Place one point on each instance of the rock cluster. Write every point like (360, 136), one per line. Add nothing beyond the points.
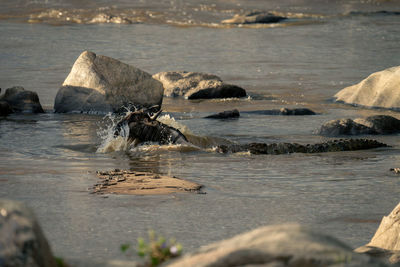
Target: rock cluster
(196, 85)
(379, 124)
(102, 84)
(19, 100)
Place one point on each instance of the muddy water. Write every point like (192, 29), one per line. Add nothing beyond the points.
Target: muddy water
(49, 160)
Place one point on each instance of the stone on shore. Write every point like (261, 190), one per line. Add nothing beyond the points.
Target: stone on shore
(100, 84)
(228, 114)
(22, 242)
(380, 89)
(21, 101)
(386, 241)
(379, 124)
(276, 245)
(141, 183)
(196, 85)
(254, 17)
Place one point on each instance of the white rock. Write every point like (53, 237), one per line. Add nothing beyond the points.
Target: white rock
(380, 89)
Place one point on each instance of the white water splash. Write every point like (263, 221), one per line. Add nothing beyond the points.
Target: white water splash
(110, 143)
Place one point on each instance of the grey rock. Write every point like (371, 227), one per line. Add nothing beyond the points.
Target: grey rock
(102, 84)
(225, 115)
(22, 101)
(283, 111)
(344, 127)
(276, 245)
(196, 85)
(379, 124)
(254, 17)
(22, 242)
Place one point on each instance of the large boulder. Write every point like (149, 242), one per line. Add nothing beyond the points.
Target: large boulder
(21, 101)
(380, 89)
(22, 242)
(379, 124)
(196, 85)
(277, 245)
(386, 241)
(254, 17)
(102, 84)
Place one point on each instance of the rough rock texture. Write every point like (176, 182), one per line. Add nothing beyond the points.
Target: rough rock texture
(102, 84)
(276, 245)
(286, 148)
(380, 89)
(22, 242)
(254, 17)
(386, 241)
(379, 124)
(196, 85)
(21, 100)
(141, 183)
(283, 111)
(225, 115)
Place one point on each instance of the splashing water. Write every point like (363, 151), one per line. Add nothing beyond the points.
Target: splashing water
(110, 143)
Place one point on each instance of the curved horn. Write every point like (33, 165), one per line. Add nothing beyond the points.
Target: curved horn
(155, 115)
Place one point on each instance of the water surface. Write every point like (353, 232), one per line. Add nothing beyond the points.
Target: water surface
(49, 160)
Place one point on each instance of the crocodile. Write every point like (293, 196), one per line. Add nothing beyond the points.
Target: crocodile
(144, 127)
(287, 148)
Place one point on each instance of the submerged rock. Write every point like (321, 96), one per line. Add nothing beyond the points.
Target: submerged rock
(386, 241)
(21, 101)
(196, 85)
(22, 242)
(102, 84)
(287, 148)
(106, 18)
(254, 17)
(225, 115)
(141, 183)
(380, 89)
(379, 124)
(283, 111)
(277, 245)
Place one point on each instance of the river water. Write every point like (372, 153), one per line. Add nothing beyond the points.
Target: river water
(49, 160)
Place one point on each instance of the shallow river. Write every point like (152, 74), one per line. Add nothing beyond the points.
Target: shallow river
(49, 161)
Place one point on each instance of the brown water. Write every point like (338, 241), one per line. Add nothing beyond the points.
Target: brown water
(49, 160)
